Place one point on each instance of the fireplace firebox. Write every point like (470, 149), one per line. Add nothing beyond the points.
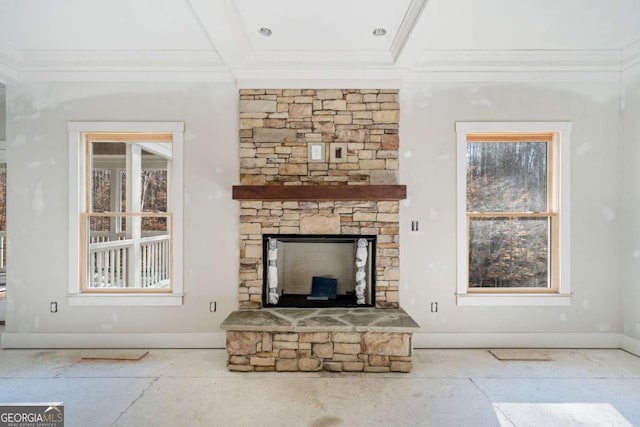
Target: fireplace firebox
(318, 270)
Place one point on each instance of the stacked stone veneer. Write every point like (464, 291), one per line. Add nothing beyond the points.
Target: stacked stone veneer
(276, 128)
(315, 351)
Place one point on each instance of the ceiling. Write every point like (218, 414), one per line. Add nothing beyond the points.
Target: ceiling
(330, 39)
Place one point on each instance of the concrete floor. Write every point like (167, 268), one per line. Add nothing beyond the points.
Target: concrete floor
(445, 388)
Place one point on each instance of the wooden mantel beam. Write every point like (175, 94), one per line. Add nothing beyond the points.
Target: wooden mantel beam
(320, 192)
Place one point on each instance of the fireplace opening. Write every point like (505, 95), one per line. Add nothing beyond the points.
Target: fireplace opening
(318, 270)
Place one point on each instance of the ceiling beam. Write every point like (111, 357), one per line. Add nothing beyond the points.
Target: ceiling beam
(407, 44)
(221, 22)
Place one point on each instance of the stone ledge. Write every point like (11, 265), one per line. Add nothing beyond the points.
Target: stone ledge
(320, 320)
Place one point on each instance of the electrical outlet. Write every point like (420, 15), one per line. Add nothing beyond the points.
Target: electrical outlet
(338, 152)
(53, 307)
(213, 306)
(434, 307)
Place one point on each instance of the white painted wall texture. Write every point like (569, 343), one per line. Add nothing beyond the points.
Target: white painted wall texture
(630, 207)
(38, 209)
(428, 152)
(37, 151)
(3, 113)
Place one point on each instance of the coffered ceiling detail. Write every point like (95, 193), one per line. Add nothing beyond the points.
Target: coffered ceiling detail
(165, 40)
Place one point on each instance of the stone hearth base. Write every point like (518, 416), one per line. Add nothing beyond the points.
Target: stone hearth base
(336, 340)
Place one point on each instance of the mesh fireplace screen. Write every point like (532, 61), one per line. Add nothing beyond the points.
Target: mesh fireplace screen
(319, 271)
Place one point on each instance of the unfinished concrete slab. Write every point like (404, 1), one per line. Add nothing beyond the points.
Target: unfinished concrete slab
(519, 354)
(445, 388)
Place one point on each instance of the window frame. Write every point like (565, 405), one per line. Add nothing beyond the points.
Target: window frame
(79, 197)
(558, 209)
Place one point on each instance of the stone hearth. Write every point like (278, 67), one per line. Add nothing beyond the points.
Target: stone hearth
(337, 340)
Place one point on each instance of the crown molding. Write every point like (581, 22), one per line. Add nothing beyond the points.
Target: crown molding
(123, 58)
(338, 58)
(319, 69)
(126, 75)
(511, 76)
(517, 66)
(519, 60)
(89, 65)
(326, 77)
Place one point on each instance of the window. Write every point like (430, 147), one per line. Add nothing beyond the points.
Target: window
(126, 197)
(513, 213)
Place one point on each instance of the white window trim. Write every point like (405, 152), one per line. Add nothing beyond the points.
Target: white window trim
(3, 151)
(563, 296)
(76, 207)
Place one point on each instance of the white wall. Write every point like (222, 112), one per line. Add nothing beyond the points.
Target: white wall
(427, 166)
(37, 151)
(3, 113)
(37, 142)
(630, 207)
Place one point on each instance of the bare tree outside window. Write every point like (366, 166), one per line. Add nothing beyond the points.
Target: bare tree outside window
(509, 225)
(154, 198)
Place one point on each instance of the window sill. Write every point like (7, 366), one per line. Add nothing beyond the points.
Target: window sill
(125, 300)
(513, 299)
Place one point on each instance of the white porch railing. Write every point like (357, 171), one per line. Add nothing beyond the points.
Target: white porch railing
(105, 236)
(109, 262)
(154, 253)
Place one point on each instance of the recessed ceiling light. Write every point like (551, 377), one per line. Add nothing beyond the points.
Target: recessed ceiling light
(378, 32)
(265, 31)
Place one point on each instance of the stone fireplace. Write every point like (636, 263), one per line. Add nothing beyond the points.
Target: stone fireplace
(277, 129)
(319, 167)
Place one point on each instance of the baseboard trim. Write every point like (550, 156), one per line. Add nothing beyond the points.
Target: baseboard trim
(113, 340)
(630, 344)
(517, 340)
(420, 340)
